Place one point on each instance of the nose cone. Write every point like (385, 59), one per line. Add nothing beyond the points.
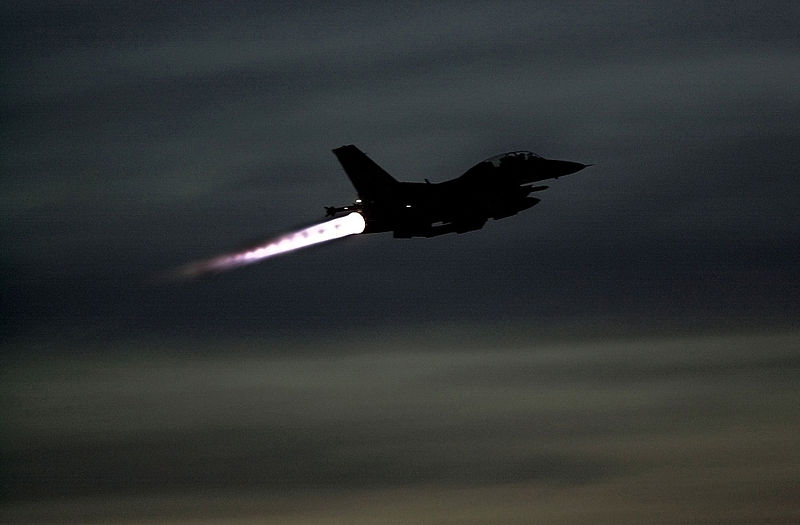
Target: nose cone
(565, 167)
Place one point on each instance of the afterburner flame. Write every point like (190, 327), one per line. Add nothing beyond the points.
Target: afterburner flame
(325, 231)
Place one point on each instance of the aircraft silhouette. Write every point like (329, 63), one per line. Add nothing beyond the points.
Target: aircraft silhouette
(496, 188)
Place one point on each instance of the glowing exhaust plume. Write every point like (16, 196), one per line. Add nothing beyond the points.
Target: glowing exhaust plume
(326, 231)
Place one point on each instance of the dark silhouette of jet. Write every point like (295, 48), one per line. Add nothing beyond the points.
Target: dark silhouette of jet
(495, 188)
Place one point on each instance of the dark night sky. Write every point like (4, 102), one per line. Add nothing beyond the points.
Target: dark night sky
(628, 349)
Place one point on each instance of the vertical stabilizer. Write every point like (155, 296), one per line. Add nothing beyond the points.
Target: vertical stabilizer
(369, 179)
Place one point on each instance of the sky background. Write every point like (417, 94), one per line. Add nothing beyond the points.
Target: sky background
(626, 350)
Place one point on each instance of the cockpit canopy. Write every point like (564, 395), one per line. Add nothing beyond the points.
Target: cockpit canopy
(512, 156)
(512, 166)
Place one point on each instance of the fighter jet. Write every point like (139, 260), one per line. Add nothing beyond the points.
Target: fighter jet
(496, 188)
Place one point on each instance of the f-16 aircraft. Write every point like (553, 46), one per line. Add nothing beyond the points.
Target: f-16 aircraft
(495, 188)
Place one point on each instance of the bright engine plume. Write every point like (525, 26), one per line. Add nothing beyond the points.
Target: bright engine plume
(326, 231)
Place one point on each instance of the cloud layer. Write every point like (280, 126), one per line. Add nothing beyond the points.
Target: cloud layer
(654, 420)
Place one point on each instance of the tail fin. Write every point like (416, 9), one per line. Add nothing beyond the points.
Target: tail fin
(369, 179)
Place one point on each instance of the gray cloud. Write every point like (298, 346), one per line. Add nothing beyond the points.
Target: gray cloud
(156, 422)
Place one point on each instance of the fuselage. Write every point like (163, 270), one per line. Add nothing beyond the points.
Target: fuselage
(495, 188)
